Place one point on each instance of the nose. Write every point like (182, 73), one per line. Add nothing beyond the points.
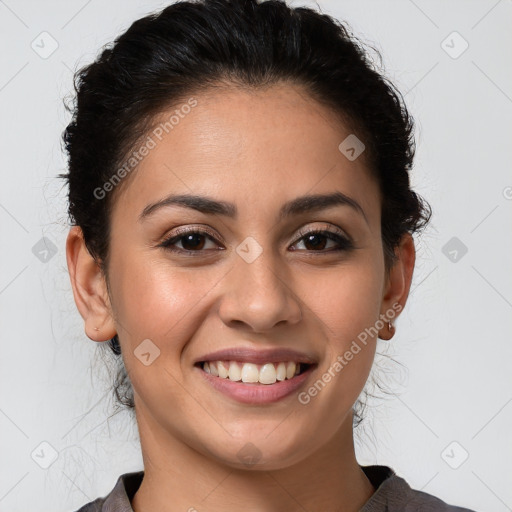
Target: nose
(259, 295)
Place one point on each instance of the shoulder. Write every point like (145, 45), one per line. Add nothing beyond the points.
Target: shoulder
(393, 494)
(420, 500)
(93, 506)
(119, 498)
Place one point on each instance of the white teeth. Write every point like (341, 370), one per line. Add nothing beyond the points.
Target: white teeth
(235, 373)
(290, 370)
(267, 373)
(250, 373)
(281, 371)
(214, 371)
(223, 370)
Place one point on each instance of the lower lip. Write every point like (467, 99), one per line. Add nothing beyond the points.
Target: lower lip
(256, 393)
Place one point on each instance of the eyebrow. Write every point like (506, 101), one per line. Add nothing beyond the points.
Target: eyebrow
(299, 205)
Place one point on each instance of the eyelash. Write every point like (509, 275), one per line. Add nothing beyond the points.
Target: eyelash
(345, 244)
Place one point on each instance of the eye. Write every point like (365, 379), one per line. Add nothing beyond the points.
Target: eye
(191, 240)
(316, 240)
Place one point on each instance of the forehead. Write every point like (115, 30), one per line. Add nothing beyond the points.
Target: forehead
(250, 147)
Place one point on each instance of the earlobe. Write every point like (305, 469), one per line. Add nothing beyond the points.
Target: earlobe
(398, 285)
(89, 288)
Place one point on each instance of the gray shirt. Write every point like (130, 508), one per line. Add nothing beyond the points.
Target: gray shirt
(392, 494)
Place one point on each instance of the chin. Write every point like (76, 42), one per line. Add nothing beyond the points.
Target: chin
(260, 455)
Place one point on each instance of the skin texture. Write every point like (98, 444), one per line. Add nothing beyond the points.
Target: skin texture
(256, 149)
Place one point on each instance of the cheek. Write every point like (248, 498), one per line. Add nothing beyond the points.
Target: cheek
(346, 299)
(346, 305)
(159, 301)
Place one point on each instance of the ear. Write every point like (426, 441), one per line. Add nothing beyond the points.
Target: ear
(398, 283)
(89, 288)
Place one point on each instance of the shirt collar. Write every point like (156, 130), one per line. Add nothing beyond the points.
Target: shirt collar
(381, 477)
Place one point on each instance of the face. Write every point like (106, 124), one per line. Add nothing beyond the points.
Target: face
(187, 283)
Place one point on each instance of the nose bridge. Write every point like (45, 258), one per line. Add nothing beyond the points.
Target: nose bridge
(259, 267)
(258, 293)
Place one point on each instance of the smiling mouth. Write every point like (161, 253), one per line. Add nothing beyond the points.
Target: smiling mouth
(250, 373)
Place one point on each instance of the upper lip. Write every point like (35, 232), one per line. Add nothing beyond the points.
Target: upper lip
(261, 356)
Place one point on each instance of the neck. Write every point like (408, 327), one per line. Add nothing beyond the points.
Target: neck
(179, 478)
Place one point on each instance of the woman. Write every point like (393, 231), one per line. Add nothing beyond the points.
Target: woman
(242, 235)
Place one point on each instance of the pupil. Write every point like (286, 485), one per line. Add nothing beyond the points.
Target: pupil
(192, 237)
(313, 237)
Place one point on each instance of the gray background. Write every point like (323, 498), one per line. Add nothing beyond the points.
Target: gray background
(451, 398)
